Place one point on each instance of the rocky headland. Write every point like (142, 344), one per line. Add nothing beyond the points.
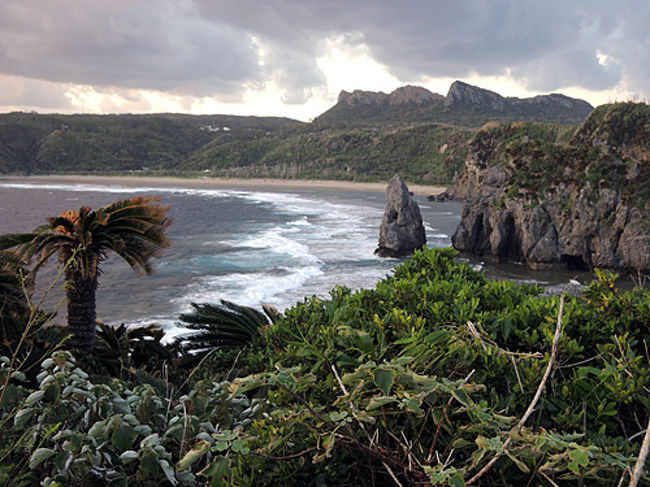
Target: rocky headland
(548, 196)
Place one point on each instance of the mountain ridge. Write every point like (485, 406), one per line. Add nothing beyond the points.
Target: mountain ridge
(370, 136)
(464, 104)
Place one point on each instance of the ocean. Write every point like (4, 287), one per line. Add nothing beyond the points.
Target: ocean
(251, 247)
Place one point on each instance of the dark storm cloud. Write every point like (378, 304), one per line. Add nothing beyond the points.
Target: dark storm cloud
(214, 47)
(544, 45)
(145, 44)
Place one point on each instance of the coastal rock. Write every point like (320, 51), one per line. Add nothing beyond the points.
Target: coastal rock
(401, 230)
(575, 205)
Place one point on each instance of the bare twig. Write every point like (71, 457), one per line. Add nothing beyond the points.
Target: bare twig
(636, 435)
(390, 472)
(531, 406)
(620, 482)
(288, 457)
(549, 479)
(582, 362)
(185, 421)
(514, 364)
(640, 461)
(435, 437)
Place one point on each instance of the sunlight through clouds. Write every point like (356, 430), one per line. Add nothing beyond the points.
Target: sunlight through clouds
(287, 59)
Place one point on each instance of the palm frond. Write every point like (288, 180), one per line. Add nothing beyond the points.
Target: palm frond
(221, 325)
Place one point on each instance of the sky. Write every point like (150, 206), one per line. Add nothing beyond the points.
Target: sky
(292, 57)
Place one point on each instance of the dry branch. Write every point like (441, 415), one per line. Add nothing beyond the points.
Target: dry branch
(533, 403)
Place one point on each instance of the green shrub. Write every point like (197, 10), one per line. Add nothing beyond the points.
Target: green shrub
(425, 377)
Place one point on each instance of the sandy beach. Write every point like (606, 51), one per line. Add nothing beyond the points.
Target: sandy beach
(236, 183)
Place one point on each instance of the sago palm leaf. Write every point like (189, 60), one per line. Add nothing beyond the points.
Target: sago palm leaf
(222, 325)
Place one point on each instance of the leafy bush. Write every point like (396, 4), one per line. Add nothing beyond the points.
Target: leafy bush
(425, 378)
(71, 431)
(438, 376)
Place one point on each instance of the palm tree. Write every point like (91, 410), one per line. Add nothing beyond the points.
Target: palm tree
(132, 228)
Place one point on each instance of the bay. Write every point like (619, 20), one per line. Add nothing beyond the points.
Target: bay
(249, 246)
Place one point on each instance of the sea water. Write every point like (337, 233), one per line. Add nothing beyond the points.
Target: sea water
(247, 246)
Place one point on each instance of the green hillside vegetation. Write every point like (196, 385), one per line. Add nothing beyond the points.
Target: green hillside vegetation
(366, 136)
(423, 153)
(428, 379)
(251, 147)
(610, 150)
(32, 143)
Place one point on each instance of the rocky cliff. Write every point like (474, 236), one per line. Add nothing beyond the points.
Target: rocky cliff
(581, 203)
(464, 105)
(548, 108)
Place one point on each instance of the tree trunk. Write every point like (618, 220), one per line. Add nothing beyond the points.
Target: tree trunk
(82, 313)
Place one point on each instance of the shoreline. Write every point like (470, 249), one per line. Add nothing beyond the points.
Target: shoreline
(231, 183)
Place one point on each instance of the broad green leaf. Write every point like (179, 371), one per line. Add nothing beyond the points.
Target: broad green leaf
(149, 460)
(521, 465)
(192, 456)
(239, 446)
(579, 458)
(457, 481)
(221, 445)
(34, 397)
(338, 415)
(52, 392)
(47, 363)
(39, 456)
(169, 471)
(384, 379)
(379, 401)
(11, 395)
(22, 417)
(413, 405)
(123, 437)
(216, 471)
(128, 456)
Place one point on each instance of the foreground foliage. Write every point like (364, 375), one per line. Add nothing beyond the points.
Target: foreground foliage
(424, 380)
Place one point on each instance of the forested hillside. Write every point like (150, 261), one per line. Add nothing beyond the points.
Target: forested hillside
(366, 136)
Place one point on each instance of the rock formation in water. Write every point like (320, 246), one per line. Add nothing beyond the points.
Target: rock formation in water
(580, 204)
(401, 230)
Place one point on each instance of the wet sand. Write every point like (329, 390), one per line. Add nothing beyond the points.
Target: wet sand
(232, 183)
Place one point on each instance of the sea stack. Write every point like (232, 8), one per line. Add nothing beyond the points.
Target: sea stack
(401, 229)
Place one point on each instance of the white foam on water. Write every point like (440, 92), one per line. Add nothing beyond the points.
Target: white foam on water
(321, 245)
(250, 289)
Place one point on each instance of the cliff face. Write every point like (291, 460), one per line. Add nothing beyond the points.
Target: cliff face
(464, 104)
(580, 204)
(542, 107)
